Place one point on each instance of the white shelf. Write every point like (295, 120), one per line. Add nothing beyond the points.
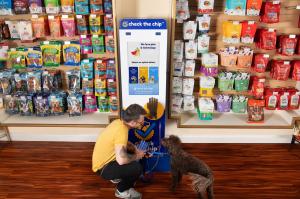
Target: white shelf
(3, 116)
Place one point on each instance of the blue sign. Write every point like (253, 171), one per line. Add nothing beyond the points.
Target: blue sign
(131, 24)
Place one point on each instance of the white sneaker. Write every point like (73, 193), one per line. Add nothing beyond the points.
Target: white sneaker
(128, 194)
(116, 181)
(134, 194)
(124, 194)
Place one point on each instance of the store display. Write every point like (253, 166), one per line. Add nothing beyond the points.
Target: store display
(248, 31)
(260, 62)
(287, 45)
(255, 111)
(253, 7)
(234, 7)
(270, 12)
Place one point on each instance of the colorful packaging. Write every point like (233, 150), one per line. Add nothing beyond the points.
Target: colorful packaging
(108, 24)
(96, 6)
(239, 104)
(229, 56)
(270, 12)
(4, 31)
(86, 44)
(207, 85)
(103, 105)
(188, 103)
(209, 64)
(294, 100)
(178, 68)
(100, 87)
(20, 83)
(25, 103)
(13, 29)
(191, 49)
(68, 24)
(47, 81)
(189, 30)
(287, 45)
(260, 62)
(41, 105)
(189, 69)
(178, 50)
(112, 87)
(113, 103)
(21, 6)
(267, 39)
(225, 81)
(205, 6)
(56, 104)
(244, 57)
(133, 75)
(255, 111)
(203, 43)
(177, 85)
(34, 81)
(109, 44)
(188, 86)
(17, 58)
(231, 32)
(57, 80)
(206, 108)
(82, 24)
(51, 51)
(241, 81)
(71, 53)
(223, 103)
(75, 104)
(248, 31)
(11, 104)
(107, 6)
(39, 26)
(36, 6)
(203, 23)
(86, 68)
(98, 44)
(73, 80)
(82, 7)
(253, 7)
(90, 103)
(34, 58)
(280, 70)
(95, 22)
(235, 7)
(258, 86)
(182, 11)
(3, 51)
(100, 67)
(176, 103)
(55, 26)
(67, 6)
(25, 30)
(296, 70)
(143, 75)
(272, 99)
(111, 69)
(6, 7)
(87, 86)
(284, 101)
(6, 82)
(52, 6)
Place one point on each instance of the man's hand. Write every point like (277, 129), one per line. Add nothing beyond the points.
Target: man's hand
(140, 154)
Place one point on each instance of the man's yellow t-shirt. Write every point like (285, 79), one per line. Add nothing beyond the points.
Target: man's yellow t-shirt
(116, 133)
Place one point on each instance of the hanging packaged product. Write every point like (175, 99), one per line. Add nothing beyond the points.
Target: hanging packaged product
(178, 69)
(25, 103)
(191, 49)
(103, 105)
(223, 103)
(82, 7)
(4, 31)
(296, 70)
(229, 56)
(100, 87)
(272, 99)
(189, 30)
(284, 101)
(17, 58)
(68, 24)
(235, 7)
(267, 39)
(3, 51)
(255, 111)
(231, 32)
(189, 69)
(82, 24)
(188, 86)
(75, 104)
(207, 85)
(205, 6)
(203, 43)
(241, 81)
(73, 80)
(111, 87)
(57, 80)
(71, 53)
(96, 6)
(41, 104)
(111, 69)
(13, 29)
(90, 103)
(239, 104)
(294, 100)
(225, 81)
(280, 70)
(25, 30)
(67, 6)
(86, 68)
(253, 7)
(178, 50)
(100, 67)
(182, 10)
(188, 103)
(56, 104)
(96, 22)
(39, 26)
(260, 62)
(6, 7)
(257, 88)
(6, 81)
(86, 44)
(21, 6)
(176, 103)
(248, 31)
(108, 24)
(98, 44)
(270, 12)
(107, 6)
(11, 104)
(209, 64)
(52, 6)
(51, 51)
(34, 82)
(177, 85)
(245, 57)
(109, 44)
(36, 6)
(55, 26)
(205, 108)
(87, 86)
(287, 45)
(20, 83)
(34, 58)
(47, 81)
(113, 103)
(204, 23)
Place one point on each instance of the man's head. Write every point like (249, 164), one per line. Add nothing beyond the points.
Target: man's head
(133, 116)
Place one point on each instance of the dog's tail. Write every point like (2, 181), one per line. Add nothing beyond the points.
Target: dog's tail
(200, 183)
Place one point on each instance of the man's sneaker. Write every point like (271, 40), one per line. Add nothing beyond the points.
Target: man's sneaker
(124, 194)
(116, 181)
(134, 194)
(128, 194)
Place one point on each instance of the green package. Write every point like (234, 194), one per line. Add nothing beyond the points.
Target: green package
(51, 51)
(98, 44)
(52, 6)
(103, 105)
(17, 57)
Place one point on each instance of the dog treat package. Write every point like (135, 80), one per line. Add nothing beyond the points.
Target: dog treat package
(55, 26)
(47, 81)
(111, 69)
(25, 30)
(41, 104)
(39, 26)
(178, 69)
(98, 44)
(36, 6)
(71, 53)
(178, 50)
(51, 51)
(109, 44)
(205, 108)
(3, 51)
(188, 103)
(73, 80)
(272, 99)
(67, 6)
(90, 103)
(68, 24)
(294, 99)
(20, 83)
(248, 31)
(108, 24)
(280, 70)
(207, 85)
(107, 4)
(223, 103)
(34, 82)
(284, 99)
(296, 70)
(13, 29)
(25, 103)
(82, 7)
(182, 10)
(86, 68)
(34, 58)
(209, 64)
(241, 81)
(21, 6)
(287, 45)
(255, 111)
(229, 56)
(203, 23)
(6, 7)
(96, 22)
(203, 43)
(205, 6)
(225, 81)
(113, 103)
(177, 85)
(100, 67)
(87, 86)
(6, 81)
(56, 104)
(75, 104)
(86, 44)
(4, 31)
(11, 104)
(191, 49)
(17, 58)
(245, 57)
(239, 104)
(111, 87)
(258, 87)
(96, 6)
(231, 31)
(52, 6)
(235, 7)
(188, 86)
(267, 39)
(189, 69)
(260, 62)
(82, 24)
(253, 7)
(176, 103)
(270, 12)
(103, 105)
(57, 81)
(100, 87)
(189, 30)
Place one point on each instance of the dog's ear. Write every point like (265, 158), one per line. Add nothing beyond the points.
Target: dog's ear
(175, 139)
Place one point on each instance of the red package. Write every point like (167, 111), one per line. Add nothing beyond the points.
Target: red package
(296, 70)
(294, 101)
(287, 45)
(284, 101)
(272, 99)
(267, 39)
(258, 86)
(270, 12)
(280, 70)
(260, 62)
(248, 31)
(255, 111)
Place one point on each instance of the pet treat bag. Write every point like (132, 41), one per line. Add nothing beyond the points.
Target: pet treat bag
(284, 101)
(103, 105)
(90, 103)
(100, 67)
(56, 104)
(21, 6)
(223, 103)
(17, 58)
(73, 80)
(241, 81)
(188, 86)
(25, 30)
(296, 70)
(86, 44)
(39, 26)
(86, 68)
(67, 6)
(239, 104)
(203, 43)
(68, 24)
(4, 31)
(36, 6)
(245, 57)
(294, 100)
(52, 6)
(207, 85)
(235, 7)
(267, 39)
(258, 86)
(6, 7)
(96, 6)
(189, 30)
(260, 62)
(176, 103)
(96, 23)
(71, 53)
(51, 53)
(34, 58)
(203, 23)
(191, 49)
(25, 103)
(13, 29)
(189, 69)
(108, 24)
(11, 104)
(205, 105)
(182, 11)
(55, 26)
(47, 81)
(98, 44)
(3, 51)
(111, 87)
(6, 81)
(231, 31)
(34, 83)
(87, 86)
(229, 56)
(178, 50)
(108, 6)
(270, 12)
(113, 103)
(178, 69)
(82, 24)
(255, 111)
(177, 85)
(209, 60)
(225, 81)
(75, 104)
(82, 7)
(280, 70)
(100, 87)
(111, 69)
(109, 44)
(248, 31)
(188, 103)
(287, 45)
(20, 83)
(41, 104)
(205, 6)
(272, 99)
(253, 7)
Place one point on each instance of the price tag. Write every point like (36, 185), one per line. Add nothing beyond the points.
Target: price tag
(35, 16)
(275, 93)
(95, 36)
(67, 42)
(64, 16)
(286, 62)
(93, 16)
(236, 22)
(266, 56)
(251, 22)
(99, 61)
(271, 29)
(83, 36)
(262, 80)
(79, 16)
(50, 17)
(292, 36)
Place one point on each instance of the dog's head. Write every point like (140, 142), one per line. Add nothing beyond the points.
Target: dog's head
(172, 143)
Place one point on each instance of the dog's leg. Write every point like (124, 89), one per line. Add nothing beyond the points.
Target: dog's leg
(210, 192)
(179, 176)
(174, 180)
(201, 195)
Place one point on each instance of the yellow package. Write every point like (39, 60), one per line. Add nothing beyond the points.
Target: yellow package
(51, 53)
(96, 23)
(34, 58)
(143, 75)
(231, 31)
(67, 6)
(71, 54)
(206, 92)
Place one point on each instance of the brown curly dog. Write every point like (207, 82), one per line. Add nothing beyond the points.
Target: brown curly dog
(183, 163)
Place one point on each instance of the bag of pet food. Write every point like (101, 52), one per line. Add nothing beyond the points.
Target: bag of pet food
(260, 62)
(108, 24)
(4, 31)
(96, 23)
(75, 104)
(188, 86)
(98, 44)
(223, 103)
(68, 24)
(255, 111)
(280, 70)
(56, 104)
(189, 69)
(294, 100)
(34, 81)
(100, 87)
(107, 6)
(17, 58)
(100, 67)
(36, 6)
(6, 7)
(258, 86)
(113, 103)
(287, 45)
(96, 6)
(90, 103)
(82, 7)
(209, 64)
(182, 11)
(109, 44)
(248, 31)
(39, 26)
(25, 30)
(3, 51)
(34, 58)
(86, 68)
(235, 7)
(253, 7)
(284, 101)
(188, 103)
(21, 6)
(229, 56)
(71, 53)
(207, 85)
(272, 99)
(225, 81)
(232, 31)
(296, 70)
(41, 104)
(205, 108)
(55, 26)
(176, 103)
(189, 30)
(67, 6)
(87, 86)
(103, 105)
(245, 57)
(20, 83)
(203, 43)
(191, 49)
(25, 103)
(178, 50)
(241, 81)
(51, 51)
(47, 81)
(177, 85)
(203, 23)
(239, 104)
(270, 12)
(178, 69)
(82, 24)
(13, 29)
(52, 6)
(205, 6)
(73, 80)
(86, 44)
(111, 87)
(267, 39)
(11, 104)
(6, 81)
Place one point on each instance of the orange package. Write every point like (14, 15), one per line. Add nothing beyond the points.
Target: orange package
(256, 111)
(253, 7)
(39, 26)
(55, 26)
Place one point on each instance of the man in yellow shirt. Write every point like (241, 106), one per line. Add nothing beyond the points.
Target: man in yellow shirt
(110, 157)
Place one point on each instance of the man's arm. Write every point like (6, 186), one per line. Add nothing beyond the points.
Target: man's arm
(122, 157)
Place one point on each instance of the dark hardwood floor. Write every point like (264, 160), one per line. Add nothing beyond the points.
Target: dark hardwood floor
(42, 170)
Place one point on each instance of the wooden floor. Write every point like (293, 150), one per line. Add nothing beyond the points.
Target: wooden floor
(42, 170)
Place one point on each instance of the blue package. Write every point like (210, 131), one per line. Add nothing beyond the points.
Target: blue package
(153, 75)
(75, 104)
(25, 104)
(82, 7)
(235, 7)
(6, 7)
(133, 75)
(86, 67)
(71, 53)
(111, 69)
(107, 6)
(20, 82)
(41, 104)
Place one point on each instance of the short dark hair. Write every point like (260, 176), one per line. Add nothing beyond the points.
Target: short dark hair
(133, 112)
